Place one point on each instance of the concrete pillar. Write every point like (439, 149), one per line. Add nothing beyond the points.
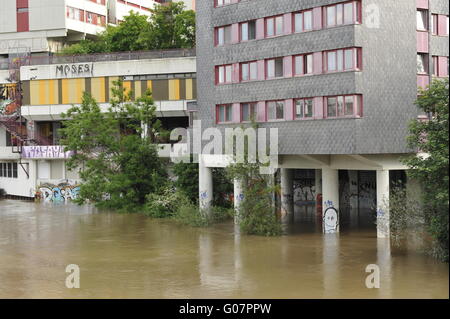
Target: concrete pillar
(330, 265)
(205, 186)
(238, 197)
(384, 262)
(318, 181)
(353, 200)
(330, 191)
(287, 193)
(144, 127)
(383, 230)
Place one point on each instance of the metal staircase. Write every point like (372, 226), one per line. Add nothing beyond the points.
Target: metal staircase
(12, 119)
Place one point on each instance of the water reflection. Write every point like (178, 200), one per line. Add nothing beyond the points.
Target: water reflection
(131, 256)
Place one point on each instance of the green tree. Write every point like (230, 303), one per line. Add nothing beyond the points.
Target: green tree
(124, 36)
(187, 183)
(257, 214)
(170, 27)
(119, 160)
(187, 179)
(431, 170)
(87, 47)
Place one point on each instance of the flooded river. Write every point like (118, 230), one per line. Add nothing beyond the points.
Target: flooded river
(131, 256)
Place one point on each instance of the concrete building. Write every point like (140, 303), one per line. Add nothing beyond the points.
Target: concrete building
(42, 26)
(338, 79)
(31, 159)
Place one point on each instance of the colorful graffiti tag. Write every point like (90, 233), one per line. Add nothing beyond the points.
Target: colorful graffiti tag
(60, 193)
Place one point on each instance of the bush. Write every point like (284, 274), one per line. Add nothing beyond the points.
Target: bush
(193, 216)
(407, 217)
(431, 137)
(256, 210)
(2, 192)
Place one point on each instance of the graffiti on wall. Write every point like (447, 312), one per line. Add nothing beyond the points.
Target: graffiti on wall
(51, 151)
(304, 191)
(330, 218)
(61, 192)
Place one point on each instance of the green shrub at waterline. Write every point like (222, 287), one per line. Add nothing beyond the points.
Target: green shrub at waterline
(170, 203)
(193, 216)
(166, 203)
(257, 211)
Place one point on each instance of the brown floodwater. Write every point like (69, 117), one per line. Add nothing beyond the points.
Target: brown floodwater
(131, 256)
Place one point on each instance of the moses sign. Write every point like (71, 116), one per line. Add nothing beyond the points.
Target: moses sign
(74, 70)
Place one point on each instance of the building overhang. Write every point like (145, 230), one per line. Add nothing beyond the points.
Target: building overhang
(53, 112)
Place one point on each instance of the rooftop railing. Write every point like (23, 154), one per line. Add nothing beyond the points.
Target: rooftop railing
(98, 57)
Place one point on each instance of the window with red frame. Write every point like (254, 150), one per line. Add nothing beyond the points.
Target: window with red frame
(224, 113)
(343, 60)
(342, 14)
(103, 2)
(223, 35)
(275, 110)
(75, 14)
(249, 71)
(303, 64)
(303, 108)
(303, 21)
(434, 24)
(435, 62)
(274, 68)
(343, 106)
(422, 20)
(248, 112)
(248, 31)
(224, 74)
(422, 63)
(274, 26)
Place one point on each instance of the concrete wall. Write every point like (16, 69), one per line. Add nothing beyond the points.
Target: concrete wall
(23, 185)
(115, 68)
(47, 14)
(8, 22)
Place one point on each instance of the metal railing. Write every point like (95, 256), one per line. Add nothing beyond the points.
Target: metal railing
(98, 57)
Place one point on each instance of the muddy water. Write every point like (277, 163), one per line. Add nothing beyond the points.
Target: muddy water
(130, 256)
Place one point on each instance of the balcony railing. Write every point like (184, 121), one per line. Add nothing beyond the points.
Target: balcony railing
(98, 57)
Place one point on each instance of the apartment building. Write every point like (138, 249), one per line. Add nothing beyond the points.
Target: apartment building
(338, 79)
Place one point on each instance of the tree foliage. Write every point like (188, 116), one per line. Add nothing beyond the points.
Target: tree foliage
(187, 183)
(115, 154)
(170, 26)
(431, 170)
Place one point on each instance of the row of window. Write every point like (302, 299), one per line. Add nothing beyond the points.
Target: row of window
(303, 21)
(439, 67)
(342, 106)
(438, 25)
(135, 5)
(102, 2)
(8, 170)
(86, 16)
(338, 60)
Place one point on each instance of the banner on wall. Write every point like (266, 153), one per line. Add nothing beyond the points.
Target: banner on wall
(51, 151)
